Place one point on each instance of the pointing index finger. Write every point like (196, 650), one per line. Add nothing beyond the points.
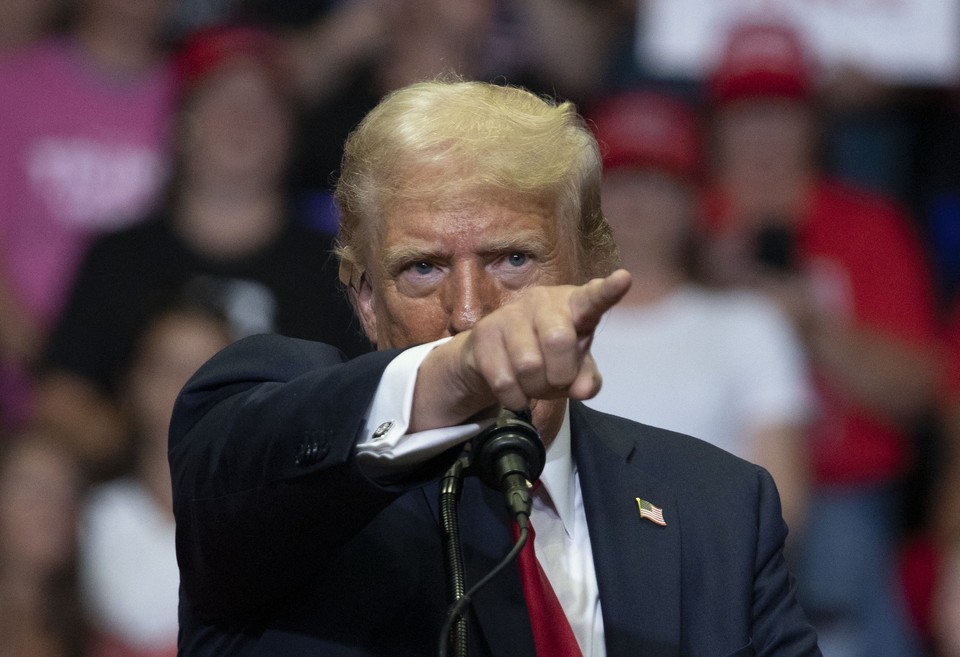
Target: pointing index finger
(597, 297)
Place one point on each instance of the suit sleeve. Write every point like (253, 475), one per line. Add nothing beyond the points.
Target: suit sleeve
(780, 627)
(264, 481)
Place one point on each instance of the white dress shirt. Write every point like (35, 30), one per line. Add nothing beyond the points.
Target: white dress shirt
(563, 542)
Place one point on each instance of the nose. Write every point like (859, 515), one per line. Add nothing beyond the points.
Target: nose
(470, 294)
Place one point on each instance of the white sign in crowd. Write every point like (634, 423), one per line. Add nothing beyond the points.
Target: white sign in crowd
(897, 41)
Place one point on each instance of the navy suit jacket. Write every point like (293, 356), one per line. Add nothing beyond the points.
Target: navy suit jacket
(286, 548)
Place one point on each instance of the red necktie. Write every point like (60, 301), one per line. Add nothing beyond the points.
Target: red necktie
(552, 633)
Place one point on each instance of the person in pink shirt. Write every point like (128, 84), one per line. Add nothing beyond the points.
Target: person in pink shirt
(84, 118)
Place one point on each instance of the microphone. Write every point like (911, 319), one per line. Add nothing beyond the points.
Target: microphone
(508, 456)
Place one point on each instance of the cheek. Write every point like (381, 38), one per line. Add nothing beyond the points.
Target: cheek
(402, 322)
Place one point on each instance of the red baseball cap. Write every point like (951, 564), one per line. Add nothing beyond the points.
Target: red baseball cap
(645, 129)
(215, 48)
(762, 60)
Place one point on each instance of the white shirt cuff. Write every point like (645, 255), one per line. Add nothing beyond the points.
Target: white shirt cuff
(387, 447)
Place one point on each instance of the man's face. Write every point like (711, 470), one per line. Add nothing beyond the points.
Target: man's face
(237, 128)
(762, 137)
(651, 211)
(435, 271)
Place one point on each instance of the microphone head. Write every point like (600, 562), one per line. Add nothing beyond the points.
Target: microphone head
(510, 446)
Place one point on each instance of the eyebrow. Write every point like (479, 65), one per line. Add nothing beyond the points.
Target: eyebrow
(528, 241)
(396, 256)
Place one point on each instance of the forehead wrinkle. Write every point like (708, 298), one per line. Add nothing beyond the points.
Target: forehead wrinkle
(463, 228)
(534, 242)
(525, 241)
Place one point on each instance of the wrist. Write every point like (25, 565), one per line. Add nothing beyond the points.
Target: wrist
(445, 394)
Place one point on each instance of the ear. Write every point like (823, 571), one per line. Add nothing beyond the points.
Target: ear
(363, 300)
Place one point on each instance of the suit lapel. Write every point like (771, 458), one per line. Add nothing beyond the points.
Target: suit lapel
(637, 561)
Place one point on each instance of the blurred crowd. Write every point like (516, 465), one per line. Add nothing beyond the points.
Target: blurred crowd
(165, 179)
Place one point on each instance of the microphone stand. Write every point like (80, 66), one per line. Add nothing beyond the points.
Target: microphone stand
(450, 487)
(507, 457)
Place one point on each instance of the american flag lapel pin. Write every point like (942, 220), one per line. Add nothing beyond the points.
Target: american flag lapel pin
(651, 512)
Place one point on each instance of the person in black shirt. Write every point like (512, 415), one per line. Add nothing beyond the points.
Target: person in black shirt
(228, 232)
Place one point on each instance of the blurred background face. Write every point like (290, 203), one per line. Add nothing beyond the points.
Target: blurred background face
(421, 39)
(947, 608)
(171, 349)
(651, 213)
(23, 20)
(461, 19)
(39, 498)
(761, 139)
(236, 129)
(169, 353)
(142, 17)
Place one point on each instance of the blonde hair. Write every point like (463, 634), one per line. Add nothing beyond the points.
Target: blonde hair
(436, 141)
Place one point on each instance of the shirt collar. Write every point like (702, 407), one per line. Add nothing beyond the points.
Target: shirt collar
(559, 474)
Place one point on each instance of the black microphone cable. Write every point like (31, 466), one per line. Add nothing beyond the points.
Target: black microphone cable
(457, 608)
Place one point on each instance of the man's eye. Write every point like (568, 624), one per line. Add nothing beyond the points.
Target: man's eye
(422, 268)
(518, 259)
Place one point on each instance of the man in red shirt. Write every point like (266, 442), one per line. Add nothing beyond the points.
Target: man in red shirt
(851, 273)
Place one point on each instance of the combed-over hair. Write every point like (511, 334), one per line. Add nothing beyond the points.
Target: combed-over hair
(438, 141)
